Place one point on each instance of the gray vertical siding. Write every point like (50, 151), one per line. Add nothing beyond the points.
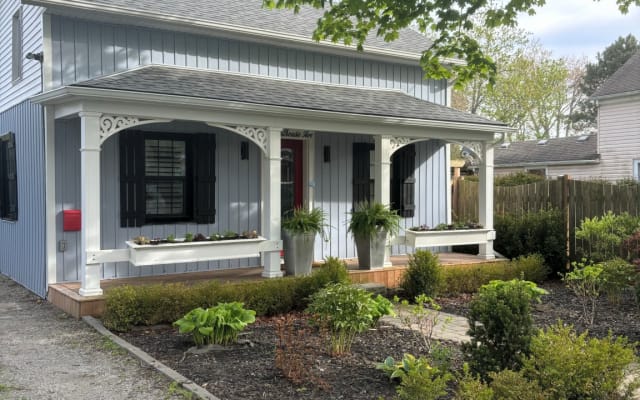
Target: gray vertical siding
(82, 51)
(333, 190)
(22, 243)
(237, 200)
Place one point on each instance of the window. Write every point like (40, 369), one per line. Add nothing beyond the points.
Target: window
(636, 169)
(8, 178)
(403, 165)
(166, 178)
(16, 46)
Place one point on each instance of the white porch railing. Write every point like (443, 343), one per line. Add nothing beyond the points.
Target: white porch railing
(448, 237)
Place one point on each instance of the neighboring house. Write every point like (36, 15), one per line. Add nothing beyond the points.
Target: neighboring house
(619, 122)
(574, 156)
(167, 117)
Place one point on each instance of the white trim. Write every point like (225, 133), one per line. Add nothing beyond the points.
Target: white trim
(47, 51)
(50, 194)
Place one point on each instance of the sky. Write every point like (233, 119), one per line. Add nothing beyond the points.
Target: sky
(575, 28)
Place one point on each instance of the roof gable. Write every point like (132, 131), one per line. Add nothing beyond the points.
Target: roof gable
(625, 80)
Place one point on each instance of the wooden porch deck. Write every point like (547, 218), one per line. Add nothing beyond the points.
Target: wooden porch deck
(65, 295)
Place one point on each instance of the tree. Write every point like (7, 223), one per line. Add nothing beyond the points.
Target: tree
(607, 62)
(448, 22)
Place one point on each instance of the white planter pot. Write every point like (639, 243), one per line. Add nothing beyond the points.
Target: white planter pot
(448, 237)
(298, 252)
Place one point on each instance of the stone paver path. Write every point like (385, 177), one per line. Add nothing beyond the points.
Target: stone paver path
(450, 327)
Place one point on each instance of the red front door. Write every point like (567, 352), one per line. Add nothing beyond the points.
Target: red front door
(291, 175)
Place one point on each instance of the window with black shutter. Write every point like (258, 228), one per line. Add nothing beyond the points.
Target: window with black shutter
(8, 178)
(362, 181)
(166, 178)
(403, 165)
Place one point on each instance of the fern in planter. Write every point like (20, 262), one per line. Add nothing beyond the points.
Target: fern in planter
(370, 218)
(301, 220)
(300, 229)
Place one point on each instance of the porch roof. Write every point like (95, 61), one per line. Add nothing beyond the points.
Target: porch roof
(268, 91)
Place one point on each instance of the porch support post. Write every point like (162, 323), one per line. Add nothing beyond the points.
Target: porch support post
(90, 202)
(485, 198)
(382, 180)
(271, 201)
(50, 194)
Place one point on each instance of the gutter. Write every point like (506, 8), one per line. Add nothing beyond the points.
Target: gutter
(65, 93)
(255, 33)
(615, 95)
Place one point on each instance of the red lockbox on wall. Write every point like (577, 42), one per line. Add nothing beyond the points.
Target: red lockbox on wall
(71, 220)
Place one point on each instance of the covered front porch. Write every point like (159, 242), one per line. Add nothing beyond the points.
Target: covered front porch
(248, 107)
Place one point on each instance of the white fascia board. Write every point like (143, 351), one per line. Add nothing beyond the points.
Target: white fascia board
(547, 164)
(230, 112)
(79, 9)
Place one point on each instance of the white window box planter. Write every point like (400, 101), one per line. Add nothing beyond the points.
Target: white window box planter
(448, 237)
(185, 252)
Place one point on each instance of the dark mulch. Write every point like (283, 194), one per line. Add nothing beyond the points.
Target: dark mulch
(248, 372)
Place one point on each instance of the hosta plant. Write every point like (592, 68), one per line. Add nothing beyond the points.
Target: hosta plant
(216, 325)
(418, 379)
(345, 311)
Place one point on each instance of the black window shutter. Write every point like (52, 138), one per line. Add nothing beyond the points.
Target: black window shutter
(205, 178)
(4, 198)
(403, 181)
(362, 182)
(132, 191)
(12, 178)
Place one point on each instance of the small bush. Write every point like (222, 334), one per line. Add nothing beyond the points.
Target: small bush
(541, 232)
(500, 326)
(585, 281)
(345, 311)
(604, 236)
(422, 276)
(508, 384)
(470, 387)
(469, 278)
(418, 379)
(216, 325)
(617, 275)
(127, 306)
(571, 366)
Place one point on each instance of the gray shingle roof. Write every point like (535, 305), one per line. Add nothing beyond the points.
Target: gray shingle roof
(279, 92)
(250, 14)
(556, 150)
(625, 80)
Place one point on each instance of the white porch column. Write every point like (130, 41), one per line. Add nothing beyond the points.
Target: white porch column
(271, 201)
(485, 198)
(90, 201)
(382, 180)
(50, 194)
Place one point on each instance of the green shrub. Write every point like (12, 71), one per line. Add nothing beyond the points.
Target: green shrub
(127, 306)
(603, 236)
(541, 232)
(345, 311)
(617, 275)
(571, 366)
(469, 278)
(216, 325)
(470, 387)
(418, 379)
(508, 384)
(517, 179)
(500, 326)
(585, 281)
(422, 276)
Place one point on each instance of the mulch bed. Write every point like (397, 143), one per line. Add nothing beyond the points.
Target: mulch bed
(247, 371)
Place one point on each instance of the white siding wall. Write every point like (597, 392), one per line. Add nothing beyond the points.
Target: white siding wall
(12, 93)
(84, 50)
(619, 137)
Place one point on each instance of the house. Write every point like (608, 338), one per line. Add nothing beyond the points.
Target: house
(619, 122)
(121, 119)
(574, 156)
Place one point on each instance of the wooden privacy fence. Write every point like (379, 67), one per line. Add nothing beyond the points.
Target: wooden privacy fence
(578, 200)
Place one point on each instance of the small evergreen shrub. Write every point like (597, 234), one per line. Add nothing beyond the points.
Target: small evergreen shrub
(572, 366)
(541, 232)
(617, 276)
(508, 384)
(469, 278)
(470, 387)
(422, 276)
(604, 236)
(500, 326)
(345, 311)
(128, 306)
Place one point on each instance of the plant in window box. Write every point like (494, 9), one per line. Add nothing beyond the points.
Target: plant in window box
(171, 239)
(199, 238)
(140, 240)
(371, 224)
(188, 237)
(230, 235)
(300, 228)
